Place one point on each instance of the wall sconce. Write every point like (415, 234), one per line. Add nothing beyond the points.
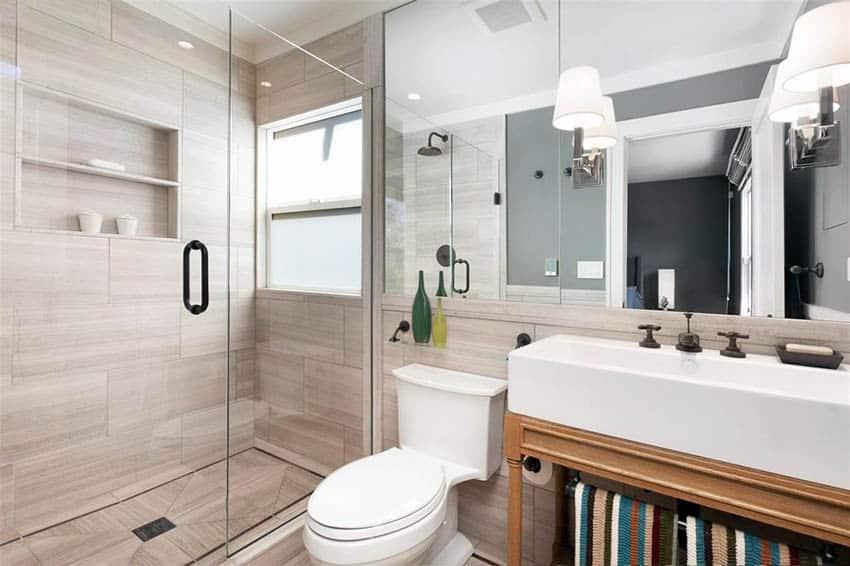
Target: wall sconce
(804, 92)
(581, 108)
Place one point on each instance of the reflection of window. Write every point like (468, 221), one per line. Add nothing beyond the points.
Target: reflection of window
(746, 248)
(314, 189)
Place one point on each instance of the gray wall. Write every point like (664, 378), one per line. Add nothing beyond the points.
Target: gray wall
(816, 223)
(536, 207)
(681, 225)
(532, 204)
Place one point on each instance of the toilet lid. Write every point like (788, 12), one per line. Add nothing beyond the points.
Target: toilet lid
(379, 494)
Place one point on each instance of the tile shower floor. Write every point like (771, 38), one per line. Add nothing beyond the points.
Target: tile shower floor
(262, 486)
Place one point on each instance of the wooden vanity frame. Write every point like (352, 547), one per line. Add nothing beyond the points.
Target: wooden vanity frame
(813, 509)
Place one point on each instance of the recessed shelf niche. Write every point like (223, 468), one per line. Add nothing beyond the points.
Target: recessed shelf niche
(59, 133)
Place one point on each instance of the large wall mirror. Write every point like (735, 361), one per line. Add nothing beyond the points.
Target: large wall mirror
(707, 199)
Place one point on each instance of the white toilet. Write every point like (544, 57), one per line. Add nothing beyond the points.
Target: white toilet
(400, 506)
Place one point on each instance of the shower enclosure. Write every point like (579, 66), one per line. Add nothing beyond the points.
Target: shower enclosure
(148, 411)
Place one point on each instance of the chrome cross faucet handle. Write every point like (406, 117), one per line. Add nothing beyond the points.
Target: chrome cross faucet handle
(649, 340)
(732, 349)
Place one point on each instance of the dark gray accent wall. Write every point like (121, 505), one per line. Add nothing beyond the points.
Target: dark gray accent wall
(732, 85)
(532, 204)
(817, 224)
(681, 225)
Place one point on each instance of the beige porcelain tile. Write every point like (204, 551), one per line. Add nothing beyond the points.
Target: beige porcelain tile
(7, 503)
(474, 346)
(263, 323)
(207, 333)
(389, 413)
(334, 392)
(245, 285)
(62, 56)
(288, 551)
(280, 380)
(353, 444)
(204, 107)
(295, 485)
(242, 220)
(156, 392)
(112, 547)
(17, 554)
(45, 412)
(204, 161)
(352, 87)
(49, 269)
(8, 29)
(315, 93)
(158, 453)
(159, 551)
(144, 271)
(204, 215)
(244, 121)
(7, 173)
(245, 374)
(483, 515)
(264, 109)
(134, 28)
(313, 438)
(282, 71)
(51, 198)
(306, 328)
(65, 483)
(353, 337)
(91, 15)
(245, 169)
(69, 337)
(246, 76)
(58, 129)
(204, 433)
(340, 49)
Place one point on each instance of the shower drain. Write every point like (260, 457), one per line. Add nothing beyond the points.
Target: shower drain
(153, 529)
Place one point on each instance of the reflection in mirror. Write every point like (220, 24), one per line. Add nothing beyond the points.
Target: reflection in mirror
(723, 188)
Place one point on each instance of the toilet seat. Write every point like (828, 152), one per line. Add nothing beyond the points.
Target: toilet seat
(376, 496)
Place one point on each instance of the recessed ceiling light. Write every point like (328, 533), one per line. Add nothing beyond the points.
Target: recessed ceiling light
(185, 44)
(265, 84)
(413, 96)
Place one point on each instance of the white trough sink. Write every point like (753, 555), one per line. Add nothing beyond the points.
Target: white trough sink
(755, 412)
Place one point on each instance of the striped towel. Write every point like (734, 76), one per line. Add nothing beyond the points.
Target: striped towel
(615, 530)
(710, 544)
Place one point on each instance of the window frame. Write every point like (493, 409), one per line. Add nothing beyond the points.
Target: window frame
(266, 135)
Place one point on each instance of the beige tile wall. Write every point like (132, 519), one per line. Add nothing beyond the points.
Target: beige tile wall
(107, 385)
(309, 379)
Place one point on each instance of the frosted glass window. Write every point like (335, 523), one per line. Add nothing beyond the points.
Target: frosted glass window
(314, 190)
(316, 250)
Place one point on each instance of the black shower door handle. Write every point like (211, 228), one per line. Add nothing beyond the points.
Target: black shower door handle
(205, 277)
(465, 289)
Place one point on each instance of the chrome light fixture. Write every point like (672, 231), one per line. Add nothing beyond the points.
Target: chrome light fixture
(804, 92)
(581, 108)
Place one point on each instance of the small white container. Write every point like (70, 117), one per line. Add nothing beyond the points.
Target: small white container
(90, 222)
(127, 225)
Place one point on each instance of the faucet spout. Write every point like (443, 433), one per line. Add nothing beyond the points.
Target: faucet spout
(688, 341)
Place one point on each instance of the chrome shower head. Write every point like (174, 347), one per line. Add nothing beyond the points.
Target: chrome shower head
(429, 150)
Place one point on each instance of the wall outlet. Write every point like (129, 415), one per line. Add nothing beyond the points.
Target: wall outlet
(590, 270)
(550, 267)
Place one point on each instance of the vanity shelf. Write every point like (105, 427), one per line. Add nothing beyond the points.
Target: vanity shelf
(59, 133)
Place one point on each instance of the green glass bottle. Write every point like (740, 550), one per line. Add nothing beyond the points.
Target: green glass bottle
(439, 331)
(421, 313)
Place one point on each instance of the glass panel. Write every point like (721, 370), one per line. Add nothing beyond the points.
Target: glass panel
(297, 384)
(112, 395)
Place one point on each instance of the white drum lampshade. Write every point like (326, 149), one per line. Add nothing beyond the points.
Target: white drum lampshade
(579, 100)
(605, 135)
(788, 106)
(819, 55)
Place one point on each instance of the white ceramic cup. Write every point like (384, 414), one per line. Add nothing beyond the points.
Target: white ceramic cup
(127, 225)
(90, 222)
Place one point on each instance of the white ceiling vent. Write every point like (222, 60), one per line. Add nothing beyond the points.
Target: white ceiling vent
(503, 14)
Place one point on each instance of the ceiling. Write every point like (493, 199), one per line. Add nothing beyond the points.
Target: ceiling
(299, 21)
(683, 156)
(440, 50)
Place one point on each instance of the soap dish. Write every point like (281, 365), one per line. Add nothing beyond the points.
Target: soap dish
(811, 360)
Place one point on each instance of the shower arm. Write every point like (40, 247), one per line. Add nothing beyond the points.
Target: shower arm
(443, 137)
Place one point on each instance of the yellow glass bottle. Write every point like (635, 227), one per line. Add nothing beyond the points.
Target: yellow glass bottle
(438, 323)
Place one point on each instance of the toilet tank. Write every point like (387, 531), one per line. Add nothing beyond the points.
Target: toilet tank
(451, 415)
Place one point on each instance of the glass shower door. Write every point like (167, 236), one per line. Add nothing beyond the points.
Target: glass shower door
(113, 381)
